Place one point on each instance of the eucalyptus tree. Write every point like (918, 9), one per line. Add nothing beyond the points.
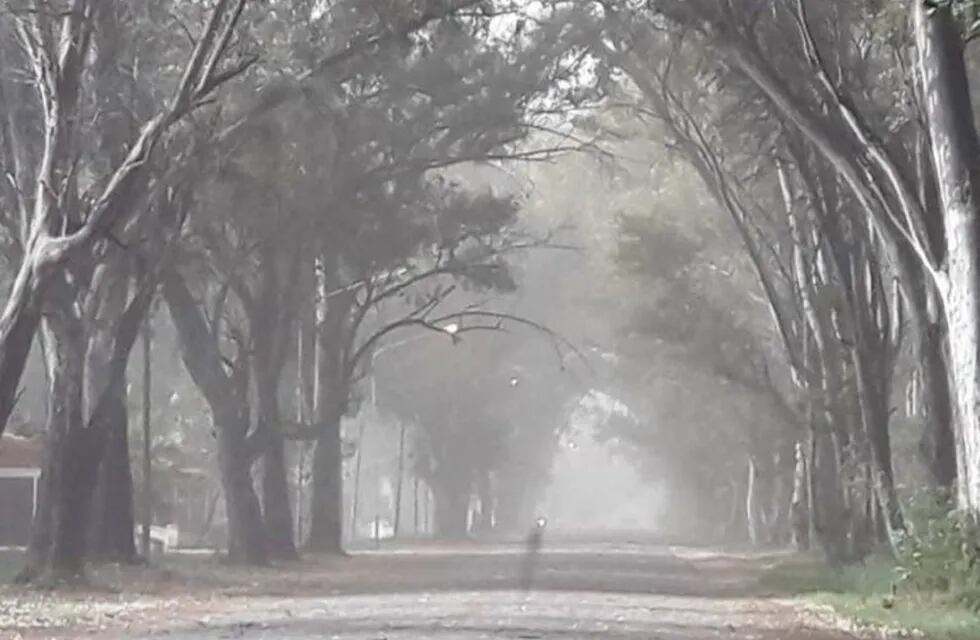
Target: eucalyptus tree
(887, 153)
(812, 268)
(860, 152)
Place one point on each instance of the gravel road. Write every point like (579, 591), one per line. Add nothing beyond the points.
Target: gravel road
(613, 592)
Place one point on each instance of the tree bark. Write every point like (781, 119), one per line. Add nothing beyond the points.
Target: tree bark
(331, 398)
(275, 485)
(327, 526)
(485, 516)
(246, 529)
(56, 552)
(227, 397)
(800, 506)
(781, 504)
(937, 446)
(276, 502)
(956, 161)
(874, 398)
(113, 522)
(735, 529)
(883, 473)
(111, 533)
(828, 509)
(753, 507)
(76, 441)
(18, 327)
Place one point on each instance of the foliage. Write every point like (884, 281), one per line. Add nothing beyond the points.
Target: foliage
(864, 594)
(941, 554)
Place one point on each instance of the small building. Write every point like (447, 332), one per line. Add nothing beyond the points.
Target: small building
(21, 460)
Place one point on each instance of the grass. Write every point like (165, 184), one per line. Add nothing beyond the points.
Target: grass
(864, 594)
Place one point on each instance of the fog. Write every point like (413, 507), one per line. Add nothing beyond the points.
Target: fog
(594, 488)
(305, 277)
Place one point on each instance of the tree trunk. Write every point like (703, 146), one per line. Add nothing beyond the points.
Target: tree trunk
(781, 503)
(246, 529)
(938, 444)
(956, 161)
(452, 510)
(227, 397)
(275, 484)
(884, 478)
(753, 512)
(826, 494)
(76, 441)
(111, 533)
(57, 548)
(331, 397)
(484, 519)
(735, 530)
(326, 526)
(874, 400)
(111, 538)
(18, 327)
(800, 509)
(275, 502)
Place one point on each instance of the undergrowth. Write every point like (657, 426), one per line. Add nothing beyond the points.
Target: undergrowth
(931, 584)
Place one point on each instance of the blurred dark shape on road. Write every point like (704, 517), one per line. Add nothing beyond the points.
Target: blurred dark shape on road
(532, 548)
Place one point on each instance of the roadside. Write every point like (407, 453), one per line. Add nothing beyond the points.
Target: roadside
(615, 591)
(871, 595)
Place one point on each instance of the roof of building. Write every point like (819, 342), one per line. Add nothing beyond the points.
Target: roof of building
(190, 472)
(19, 452)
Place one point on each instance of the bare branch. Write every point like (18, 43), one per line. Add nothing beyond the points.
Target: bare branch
(217, 52)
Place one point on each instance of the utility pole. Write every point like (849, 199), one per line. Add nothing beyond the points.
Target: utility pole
(401, 476)
(147, 438)
(357, 476)
(415, 506)
(303, 410)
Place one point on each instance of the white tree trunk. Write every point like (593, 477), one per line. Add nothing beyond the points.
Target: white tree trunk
(949, 117)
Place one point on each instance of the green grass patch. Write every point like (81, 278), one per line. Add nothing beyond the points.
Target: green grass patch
(937, 617)
(863, 593)
(798, 575)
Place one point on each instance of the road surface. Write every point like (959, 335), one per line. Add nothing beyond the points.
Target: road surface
(594, 592)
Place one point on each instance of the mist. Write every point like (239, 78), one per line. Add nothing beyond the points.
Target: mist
(293, 284)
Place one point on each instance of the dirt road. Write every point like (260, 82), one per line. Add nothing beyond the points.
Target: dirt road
(607, 592)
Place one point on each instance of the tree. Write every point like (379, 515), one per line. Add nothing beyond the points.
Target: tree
(894, 193)
(67, 263)
(486, 419)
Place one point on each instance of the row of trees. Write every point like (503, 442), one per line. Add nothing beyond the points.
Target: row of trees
(486, 419)
(839, 139)
(282, 189)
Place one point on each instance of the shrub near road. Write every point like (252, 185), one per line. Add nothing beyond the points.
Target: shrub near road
(877, 594)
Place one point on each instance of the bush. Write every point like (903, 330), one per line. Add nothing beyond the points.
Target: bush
(941, 554)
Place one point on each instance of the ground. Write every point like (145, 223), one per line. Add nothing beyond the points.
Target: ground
(624, 591)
